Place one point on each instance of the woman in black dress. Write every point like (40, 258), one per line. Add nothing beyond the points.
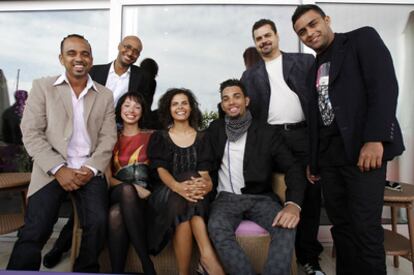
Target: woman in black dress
(178, 206)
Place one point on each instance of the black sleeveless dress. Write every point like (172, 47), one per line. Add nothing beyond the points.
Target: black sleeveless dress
(167, 209)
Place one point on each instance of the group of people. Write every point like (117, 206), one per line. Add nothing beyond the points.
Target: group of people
(326, 123)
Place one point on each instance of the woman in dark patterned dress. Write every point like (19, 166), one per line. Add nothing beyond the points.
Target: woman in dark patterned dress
(128, 178)
(178, 206)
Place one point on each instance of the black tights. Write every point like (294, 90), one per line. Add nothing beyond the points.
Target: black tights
(127, 224)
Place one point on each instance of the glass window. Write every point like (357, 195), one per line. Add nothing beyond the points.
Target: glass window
(31, 42)
(199, 46)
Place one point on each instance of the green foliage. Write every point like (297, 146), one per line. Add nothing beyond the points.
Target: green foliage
(207, 118)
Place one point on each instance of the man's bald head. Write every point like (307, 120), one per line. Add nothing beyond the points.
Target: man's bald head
(129, 50)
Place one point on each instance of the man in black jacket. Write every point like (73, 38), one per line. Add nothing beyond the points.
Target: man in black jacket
(279, 97)
(353, 132)
(121, 75)
(245, 154)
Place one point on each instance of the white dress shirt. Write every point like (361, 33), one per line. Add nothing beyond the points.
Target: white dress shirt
(118, 84)
(230, 175)
(284, 105)
(79, 145)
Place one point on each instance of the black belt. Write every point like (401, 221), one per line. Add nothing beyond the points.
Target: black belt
(290, 126)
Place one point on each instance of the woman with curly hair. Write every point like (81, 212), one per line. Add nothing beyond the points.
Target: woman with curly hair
(178, 206)
(129, 180)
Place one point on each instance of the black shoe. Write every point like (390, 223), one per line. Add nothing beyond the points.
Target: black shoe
(312, 269)
(395, 186)
(52, 258)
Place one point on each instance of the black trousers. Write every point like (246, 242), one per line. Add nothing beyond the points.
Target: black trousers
(354, 202)
(41, 215)
(307, 245)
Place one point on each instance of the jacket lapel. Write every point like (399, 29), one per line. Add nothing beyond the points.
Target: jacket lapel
(263, 80)
(338, 56)
(66, 97)
(105, 73)
(133, 80)
(250, 143)
(222, 138)
(287, 64)
(88, 104)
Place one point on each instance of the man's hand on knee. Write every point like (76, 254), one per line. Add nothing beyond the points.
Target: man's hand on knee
(67, 179)
(84, 174)
(288, 217)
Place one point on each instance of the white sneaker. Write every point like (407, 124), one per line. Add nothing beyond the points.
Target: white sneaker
(310, 269)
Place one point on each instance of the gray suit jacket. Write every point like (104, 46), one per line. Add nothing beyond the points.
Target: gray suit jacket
(47, 126)
(295, 69)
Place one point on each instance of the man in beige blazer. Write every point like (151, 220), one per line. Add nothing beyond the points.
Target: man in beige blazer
(69, 130)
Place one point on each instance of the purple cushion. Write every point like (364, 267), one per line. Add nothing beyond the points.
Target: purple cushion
(249, 228)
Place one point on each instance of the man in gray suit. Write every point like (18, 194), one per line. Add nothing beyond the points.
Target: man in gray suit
(69, 130)
(120, 76)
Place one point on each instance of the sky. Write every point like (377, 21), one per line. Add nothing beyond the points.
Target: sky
(31, 42)
(199, 46)
(196, 46)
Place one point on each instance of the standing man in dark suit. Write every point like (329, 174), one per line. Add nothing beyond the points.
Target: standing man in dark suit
(245, 153)
(120, 76)
(279, 97)
(353, 132)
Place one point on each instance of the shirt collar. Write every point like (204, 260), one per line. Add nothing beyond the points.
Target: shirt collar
(112, 69)
(63, 78)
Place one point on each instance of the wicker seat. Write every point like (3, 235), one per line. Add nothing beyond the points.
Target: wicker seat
(13, 182)
(395, 244)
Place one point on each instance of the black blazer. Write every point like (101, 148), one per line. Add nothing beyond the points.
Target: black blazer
(265, 150)
(139, 80)
(295, 69)
(363, 91)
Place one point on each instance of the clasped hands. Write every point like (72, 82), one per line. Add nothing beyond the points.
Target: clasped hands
(72, 179)
(194, 189)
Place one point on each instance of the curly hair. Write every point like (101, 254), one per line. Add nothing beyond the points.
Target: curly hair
(138, 98)
(164, 105)
(230, 83)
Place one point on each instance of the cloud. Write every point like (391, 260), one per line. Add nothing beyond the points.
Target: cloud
(196, 46)
(33, 41)
(199, 46)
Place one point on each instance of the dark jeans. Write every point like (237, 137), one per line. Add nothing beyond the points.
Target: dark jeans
(354, 202)
(42, 213)
(307, 245)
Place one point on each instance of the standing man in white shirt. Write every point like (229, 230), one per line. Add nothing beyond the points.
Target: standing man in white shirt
(68, 128)
(278, 95)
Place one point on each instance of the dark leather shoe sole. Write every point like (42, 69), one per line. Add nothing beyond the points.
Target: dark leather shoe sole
(52, 258)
